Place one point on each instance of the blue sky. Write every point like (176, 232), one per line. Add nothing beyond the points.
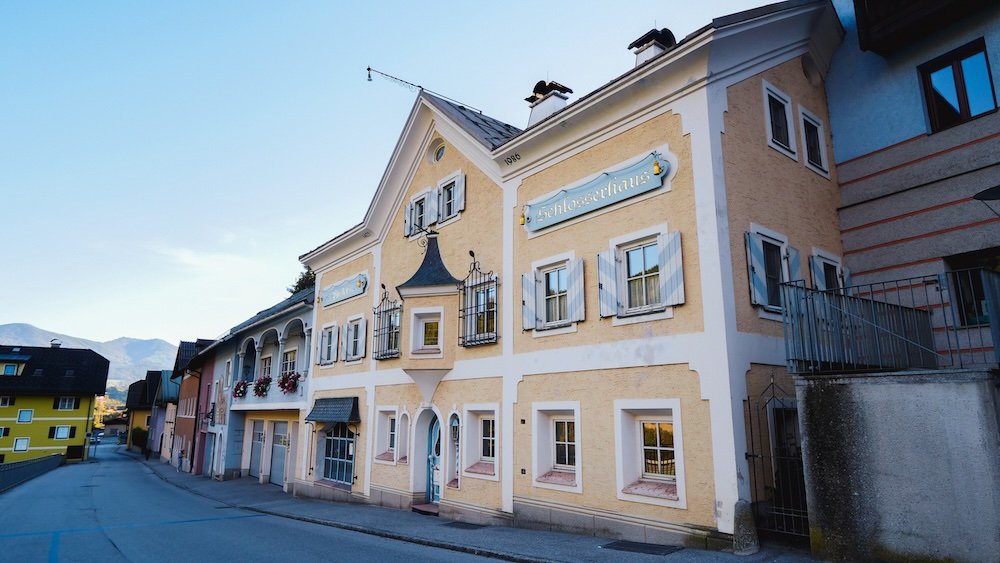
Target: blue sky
(163, 165)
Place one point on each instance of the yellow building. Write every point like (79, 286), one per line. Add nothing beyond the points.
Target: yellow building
(47, 400)
(564, 326)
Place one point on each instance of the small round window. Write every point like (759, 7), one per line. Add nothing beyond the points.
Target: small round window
(438, 152)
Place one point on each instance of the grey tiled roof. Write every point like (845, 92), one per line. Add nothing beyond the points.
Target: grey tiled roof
(336, 409)
(432, 271)
(490, 132)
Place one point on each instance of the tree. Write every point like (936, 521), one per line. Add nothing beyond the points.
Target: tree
(307, 279)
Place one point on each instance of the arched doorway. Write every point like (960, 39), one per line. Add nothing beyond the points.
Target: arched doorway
(434, 473)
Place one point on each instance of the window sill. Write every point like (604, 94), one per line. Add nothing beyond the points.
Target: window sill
(403, 460)
(558, 477)
(787, 151)
(769, 314)
(568, 328)
(653, 489)
(385, 456)
(482, 468)
(453, 484)
(658, 314)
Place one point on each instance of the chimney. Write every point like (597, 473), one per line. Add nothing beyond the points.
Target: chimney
(545, 99)
(55, 343)
(651, 44)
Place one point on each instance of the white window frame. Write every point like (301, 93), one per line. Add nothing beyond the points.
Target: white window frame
(21, 414)
(767, 311)
(543, 416)
(353, 334)
(71, 401)
(771, 91)
(329, 342)
(61, 429)
(823, 169)
(5, 401)
(817, 260)
(457, 179)
(543, 327)
(474, 414)
(428, 197)
(229, 373)
(386, 449)
(629, 462)
(295, 360)
(616, 249)
(419, 316)
(560, 270)
(19, 441)
(266, 370)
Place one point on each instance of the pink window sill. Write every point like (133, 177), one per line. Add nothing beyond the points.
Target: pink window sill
(559, 477)
(481, 468)
(384, 456)
(654, 489)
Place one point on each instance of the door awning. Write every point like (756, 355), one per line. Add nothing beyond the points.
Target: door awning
(337, 409)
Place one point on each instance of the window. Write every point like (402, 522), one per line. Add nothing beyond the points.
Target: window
(552, 295)
(420, 213)
(386, 332)
(478, 313)
(642, 273)
(450, 195)
(4, 432)
(958, 86)
(66, 403)
(328, 344)
(10, 369)
(427, 331)
(288, 364)
(392, 433)
(61, 432)
(826, 271)
(387, 434)
(229, 373)
(338, 455)
(480, 442)
(20, 444)
(6, 401)
(650, 467)
(771, 261)
(265, 366)
(24, 416)
(352, 343)
(778, 111)
(814, 140)
(488, 428)
(556, 444)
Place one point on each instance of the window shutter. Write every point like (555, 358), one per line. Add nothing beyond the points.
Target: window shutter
(6, 432)
(345, 335)
(12, 400)
(794, 264)
(439, 198)
(671, 269)
(406, 219)
(459, 193)
(431, 203)
(72, 431)
(55, 403)
(528, 318)
(607, 291)
(574, 271)
(816, 271)
(52, 432)
(334, 338)
(362, 337)
(845, 281)
(321, 351)
(755, 269)
(76, 403)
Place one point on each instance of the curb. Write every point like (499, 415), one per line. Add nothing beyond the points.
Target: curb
(478, 551)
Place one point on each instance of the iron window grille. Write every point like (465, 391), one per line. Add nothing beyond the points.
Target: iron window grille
(478, 311)
(385, 336)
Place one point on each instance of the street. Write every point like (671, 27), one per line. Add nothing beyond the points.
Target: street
(116, 510)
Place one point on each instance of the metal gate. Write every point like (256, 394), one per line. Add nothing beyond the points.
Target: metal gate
(774, 454)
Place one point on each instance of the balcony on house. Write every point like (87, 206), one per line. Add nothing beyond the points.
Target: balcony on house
(942, 321)
(886, 26)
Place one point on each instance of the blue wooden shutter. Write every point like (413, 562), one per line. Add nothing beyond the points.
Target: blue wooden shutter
(345, 336)
(816, 271)
(607, 286)
(459, 193)
(794, 263)
(334, 343)
(845, 277)
(431, 206)
(575, 297)
(671, 269)
(362, 336)
(755, 269)
(528, 318)
(407, 213)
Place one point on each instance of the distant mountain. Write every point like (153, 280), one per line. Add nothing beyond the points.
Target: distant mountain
(130, 358)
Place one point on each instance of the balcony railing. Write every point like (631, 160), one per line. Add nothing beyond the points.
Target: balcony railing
(930, 322)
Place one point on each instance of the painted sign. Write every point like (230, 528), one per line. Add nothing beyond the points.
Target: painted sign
(344, 289)
(606, 189)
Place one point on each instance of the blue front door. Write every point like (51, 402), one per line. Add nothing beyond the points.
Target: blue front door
(434, 461)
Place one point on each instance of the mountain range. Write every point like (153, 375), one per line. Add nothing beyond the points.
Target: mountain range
(130, 358)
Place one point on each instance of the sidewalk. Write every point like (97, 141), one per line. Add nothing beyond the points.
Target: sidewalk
(510, 544)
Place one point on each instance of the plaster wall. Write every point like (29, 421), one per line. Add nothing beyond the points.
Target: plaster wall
(902, 466)
(767, 187)
(340, 312)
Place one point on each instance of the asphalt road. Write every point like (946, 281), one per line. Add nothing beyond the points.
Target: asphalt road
(115, 510)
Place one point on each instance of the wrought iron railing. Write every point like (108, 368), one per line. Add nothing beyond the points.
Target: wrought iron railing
(477, 316)
(930, 322)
